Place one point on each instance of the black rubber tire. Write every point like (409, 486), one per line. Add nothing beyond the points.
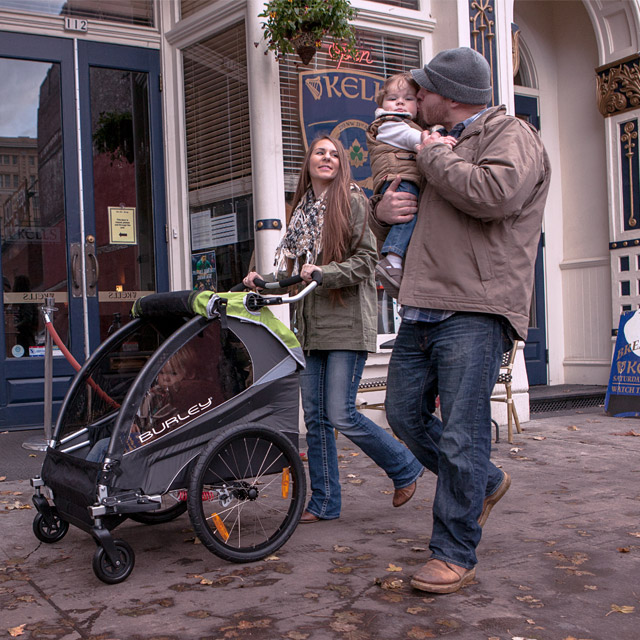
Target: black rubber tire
(160, 515)
(255, 477)
(105, 571)
(52, 532)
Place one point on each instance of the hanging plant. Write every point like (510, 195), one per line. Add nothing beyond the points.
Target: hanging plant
(301, 25)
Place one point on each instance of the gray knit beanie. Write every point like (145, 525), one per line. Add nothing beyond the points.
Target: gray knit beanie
(459, 74)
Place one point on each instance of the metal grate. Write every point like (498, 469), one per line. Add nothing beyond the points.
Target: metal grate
(549, 405)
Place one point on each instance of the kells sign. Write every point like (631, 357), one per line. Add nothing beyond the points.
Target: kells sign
(623, 392)
(340, 103)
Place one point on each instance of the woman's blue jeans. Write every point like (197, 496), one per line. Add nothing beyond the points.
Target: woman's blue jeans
(329, 385)
(457, 359)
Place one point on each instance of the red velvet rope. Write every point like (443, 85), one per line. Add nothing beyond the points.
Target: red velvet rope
(76, 365)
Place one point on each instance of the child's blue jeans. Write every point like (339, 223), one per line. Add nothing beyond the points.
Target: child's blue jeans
(400, 234)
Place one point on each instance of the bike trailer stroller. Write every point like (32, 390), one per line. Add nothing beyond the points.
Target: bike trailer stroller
(193, 405)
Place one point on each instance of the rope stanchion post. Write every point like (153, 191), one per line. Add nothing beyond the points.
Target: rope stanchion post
(38, 444)
(48, 310)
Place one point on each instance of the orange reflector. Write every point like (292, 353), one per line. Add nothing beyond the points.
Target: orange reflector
(222, 530)
(285, 482)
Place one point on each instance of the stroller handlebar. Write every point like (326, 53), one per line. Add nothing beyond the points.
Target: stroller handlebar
(256, 301)
(280, 284)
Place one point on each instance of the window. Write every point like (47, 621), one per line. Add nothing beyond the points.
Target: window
(390, 54)
(189, 7)
(219, 153)
(136, 12)
(406, 4)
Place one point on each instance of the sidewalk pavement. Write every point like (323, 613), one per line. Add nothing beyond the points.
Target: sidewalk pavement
(559, 558)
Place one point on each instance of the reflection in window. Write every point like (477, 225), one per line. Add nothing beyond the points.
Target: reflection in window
(136, 12)
(219, 153)
(406, 4)
(211, 368)
(32, 222)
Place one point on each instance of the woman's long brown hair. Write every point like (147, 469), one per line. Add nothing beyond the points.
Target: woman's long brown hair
(336, 232)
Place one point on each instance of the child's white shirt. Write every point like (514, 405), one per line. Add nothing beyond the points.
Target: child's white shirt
(397, 133)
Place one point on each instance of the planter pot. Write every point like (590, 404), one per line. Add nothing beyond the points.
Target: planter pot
(305, 46)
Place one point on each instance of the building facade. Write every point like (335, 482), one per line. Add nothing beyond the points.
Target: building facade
(148, 145)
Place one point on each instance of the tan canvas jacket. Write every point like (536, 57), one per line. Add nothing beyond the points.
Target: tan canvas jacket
(480, 215)
(388, 161)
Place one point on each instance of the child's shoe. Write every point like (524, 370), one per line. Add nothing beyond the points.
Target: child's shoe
(390, 277)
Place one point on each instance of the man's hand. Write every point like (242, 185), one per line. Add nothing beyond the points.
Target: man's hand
(428, 137)
(396, 207)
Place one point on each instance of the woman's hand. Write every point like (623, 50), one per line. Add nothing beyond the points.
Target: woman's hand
(307, 270)
(249, 279)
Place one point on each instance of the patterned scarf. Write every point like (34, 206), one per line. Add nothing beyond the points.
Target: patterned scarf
(303, 238)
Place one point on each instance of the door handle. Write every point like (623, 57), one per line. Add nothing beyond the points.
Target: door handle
(76, 270)
(91, 266)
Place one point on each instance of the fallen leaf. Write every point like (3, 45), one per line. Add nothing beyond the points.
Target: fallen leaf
(624, 549)
(339, 549)
(573, 428)
(635, 533)
(351, 475)
(620, 609)
(3, 478)
(414, 611)
(354, 454)
(393, 567)
(539, 437)
(206, 581)
(515, 450)
(628, 433)
(418, 633)
(32, 455)
(591, 587)
(16, 631)
(271, 558)
(389, 582)
(26, 598)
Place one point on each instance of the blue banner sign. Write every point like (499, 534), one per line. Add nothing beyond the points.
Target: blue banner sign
(340, 103)
(623, 393)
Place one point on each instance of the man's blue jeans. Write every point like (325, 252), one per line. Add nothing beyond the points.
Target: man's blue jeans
(329, 385)
(457, 359)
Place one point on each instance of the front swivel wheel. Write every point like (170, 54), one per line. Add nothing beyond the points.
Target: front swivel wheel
(106, 571)
(50, 529)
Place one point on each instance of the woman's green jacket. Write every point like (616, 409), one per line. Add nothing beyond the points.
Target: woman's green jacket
(349, 325)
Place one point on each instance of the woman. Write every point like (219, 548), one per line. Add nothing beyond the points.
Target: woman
(336, 325)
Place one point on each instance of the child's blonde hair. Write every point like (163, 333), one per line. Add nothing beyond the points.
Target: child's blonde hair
(400, 78)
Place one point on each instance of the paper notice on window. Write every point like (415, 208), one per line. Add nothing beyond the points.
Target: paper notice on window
(201, 230)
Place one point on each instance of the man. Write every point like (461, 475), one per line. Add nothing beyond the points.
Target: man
(465, 296)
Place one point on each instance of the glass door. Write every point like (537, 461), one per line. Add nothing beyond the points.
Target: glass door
(125, 242)
(93, 254)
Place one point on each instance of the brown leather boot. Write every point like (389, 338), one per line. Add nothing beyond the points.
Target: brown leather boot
(438, 576)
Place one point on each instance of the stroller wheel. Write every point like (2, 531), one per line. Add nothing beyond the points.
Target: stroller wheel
(246, 492)
(109, 573)
(51, 531)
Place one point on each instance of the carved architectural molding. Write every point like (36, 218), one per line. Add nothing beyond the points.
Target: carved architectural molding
(482, 28)
(618, 88)
(515, 48)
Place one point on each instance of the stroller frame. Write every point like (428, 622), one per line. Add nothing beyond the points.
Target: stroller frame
(234, 453)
